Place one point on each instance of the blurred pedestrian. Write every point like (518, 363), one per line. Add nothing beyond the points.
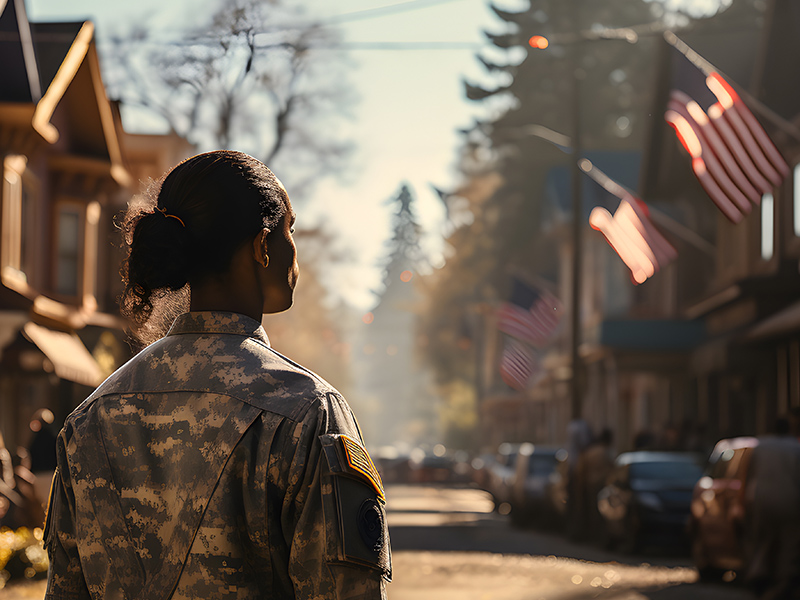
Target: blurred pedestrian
(594, 466)
(579, 436)
(644, 440)
(11, 503)
(209, 465)
(670, 439)
(18, 504)
(773, 510)
(42, 452)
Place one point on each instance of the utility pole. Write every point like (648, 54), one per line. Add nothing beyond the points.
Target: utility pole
(576, 387)
(576, 74)
(575, 42)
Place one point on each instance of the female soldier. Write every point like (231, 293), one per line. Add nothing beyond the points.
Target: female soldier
(210, 466)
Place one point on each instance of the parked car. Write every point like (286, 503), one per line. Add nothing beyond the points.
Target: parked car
(718, 508)
(434, 465)
(481, 466)
(536, 494)
(648, 497)
(501, 474)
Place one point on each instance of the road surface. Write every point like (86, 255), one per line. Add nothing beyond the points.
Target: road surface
(449, 545)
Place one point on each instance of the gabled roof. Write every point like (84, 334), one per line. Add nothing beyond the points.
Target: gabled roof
(21, 81)
(52, 42)
(55, 65)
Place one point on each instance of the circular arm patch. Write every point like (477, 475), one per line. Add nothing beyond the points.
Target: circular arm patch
(370, 524)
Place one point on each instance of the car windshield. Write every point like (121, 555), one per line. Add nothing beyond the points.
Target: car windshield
(665, 470)
(541, 465)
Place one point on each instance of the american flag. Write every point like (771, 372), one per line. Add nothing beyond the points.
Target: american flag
(518, 364)
(637, 242)
(733, 158)
(531, 315)
(629, 231)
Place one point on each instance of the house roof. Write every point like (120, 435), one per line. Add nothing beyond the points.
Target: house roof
(52, 42)
(20, 75)
(55, 67)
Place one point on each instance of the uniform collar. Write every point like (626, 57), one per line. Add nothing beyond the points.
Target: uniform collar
(214, 321)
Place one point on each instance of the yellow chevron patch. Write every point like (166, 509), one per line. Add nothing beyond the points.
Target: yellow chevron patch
(358, 458)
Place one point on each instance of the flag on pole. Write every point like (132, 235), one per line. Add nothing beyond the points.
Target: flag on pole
(629, 231)
(637, 242)
(733, 158)
(518, 364)
(531, 315)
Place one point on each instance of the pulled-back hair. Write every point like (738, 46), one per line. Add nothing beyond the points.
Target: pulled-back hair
(186, 227)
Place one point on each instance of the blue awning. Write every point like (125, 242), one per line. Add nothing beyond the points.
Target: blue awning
(654, 335)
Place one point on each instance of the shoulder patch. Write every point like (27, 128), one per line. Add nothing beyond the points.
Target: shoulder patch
(358, 458)
(347, 456)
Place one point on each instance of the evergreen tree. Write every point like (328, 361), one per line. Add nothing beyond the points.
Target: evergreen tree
(405, 251)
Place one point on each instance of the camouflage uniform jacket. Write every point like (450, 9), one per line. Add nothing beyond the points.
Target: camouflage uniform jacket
(210, 466)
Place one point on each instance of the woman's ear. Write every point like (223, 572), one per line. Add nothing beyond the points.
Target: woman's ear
(260, 247)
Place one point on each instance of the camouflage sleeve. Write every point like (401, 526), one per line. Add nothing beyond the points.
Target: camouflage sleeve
(64, 578)
(321, 515)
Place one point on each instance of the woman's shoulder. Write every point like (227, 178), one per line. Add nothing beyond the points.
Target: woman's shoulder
(245, 369)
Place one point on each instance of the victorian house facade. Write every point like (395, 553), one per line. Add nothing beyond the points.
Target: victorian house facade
(68, 170)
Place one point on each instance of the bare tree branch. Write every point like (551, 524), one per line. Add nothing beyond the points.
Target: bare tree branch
(250, 79)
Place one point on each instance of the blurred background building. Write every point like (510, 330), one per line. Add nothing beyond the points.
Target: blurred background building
(69, 169)
(708, 346)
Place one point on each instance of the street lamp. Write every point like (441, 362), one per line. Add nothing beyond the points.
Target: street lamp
(538, 41)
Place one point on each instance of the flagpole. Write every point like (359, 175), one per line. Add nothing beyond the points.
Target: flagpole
(576, 392)
(621, 192)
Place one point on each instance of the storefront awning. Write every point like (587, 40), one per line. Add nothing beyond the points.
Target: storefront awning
(71, 360)
(665, 335)
(781, 323)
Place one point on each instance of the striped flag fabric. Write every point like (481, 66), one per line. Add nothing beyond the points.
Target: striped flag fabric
(530, 315)
(518, 364)
(629, 231)
(634, 238)
(733, 158)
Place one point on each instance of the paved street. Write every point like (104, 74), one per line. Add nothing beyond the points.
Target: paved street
(448, 544)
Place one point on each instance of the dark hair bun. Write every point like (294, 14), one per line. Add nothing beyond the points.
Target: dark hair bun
(159, 257)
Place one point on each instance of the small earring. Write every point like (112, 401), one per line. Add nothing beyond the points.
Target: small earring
(266, 260)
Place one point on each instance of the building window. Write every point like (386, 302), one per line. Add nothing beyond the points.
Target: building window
(796, 199)
(16, 251)
(767, 226)
(68, 250)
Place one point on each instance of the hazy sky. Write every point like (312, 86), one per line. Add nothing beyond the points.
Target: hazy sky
(410, 104)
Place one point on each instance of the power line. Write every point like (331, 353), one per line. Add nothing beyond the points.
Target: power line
(404, 46)
(369, 13)
(381, 11)
(427, 45)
